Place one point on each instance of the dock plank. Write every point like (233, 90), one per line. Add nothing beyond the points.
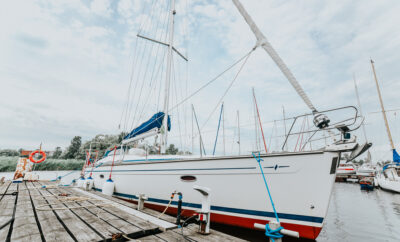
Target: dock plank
(79, 229)
(25, 227)
(90, 218)
(52, 229)
(7, 205)
(41, 214)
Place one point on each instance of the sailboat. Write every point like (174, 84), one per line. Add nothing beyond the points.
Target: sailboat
(366, 169)
(388, 177)
(301, 182)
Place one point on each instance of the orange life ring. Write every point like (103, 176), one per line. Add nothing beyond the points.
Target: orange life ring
(35, 152)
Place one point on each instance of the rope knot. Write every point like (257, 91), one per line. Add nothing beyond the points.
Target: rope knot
(273, 233)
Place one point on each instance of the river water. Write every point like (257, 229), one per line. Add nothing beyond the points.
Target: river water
(353, 215)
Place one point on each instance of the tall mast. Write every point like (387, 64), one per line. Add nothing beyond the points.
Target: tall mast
(164, 133)
(359, 106)
(382, 107)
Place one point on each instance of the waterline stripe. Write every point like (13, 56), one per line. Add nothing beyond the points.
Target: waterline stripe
(231, 210)
(198, 169)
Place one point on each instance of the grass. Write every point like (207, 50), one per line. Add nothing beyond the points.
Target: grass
(10, 163)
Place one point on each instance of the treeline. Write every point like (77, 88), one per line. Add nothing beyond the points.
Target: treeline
(8, 164)
(98, 145)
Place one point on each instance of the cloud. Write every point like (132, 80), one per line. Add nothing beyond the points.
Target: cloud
(66, 65)
(101, 7)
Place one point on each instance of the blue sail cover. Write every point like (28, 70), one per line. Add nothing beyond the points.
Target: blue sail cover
(153, 122)
(396, 157)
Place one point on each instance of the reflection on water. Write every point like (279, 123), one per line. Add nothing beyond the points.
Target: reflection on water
(356, 215)
(353, 215)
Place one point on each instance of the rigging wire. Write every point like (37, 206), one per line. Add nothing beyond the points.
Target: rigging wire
(136, 116)
(155, 70)
(229, 87)
(129, 108)
(212, 80)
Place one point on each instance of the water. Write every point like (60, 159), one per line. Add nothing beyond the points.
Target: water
(356, 215)
(353, 215)
(68, 176)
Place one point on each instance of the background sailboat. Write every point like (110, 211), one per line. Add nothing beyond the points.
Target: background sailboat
(388, 178)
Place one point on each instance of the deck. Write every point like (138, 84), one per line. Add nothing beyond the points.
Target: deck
(29, 212)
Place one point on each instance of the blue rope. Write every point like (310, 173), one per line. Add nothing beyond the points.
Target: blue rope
(219, 123)
(272, 233)
(60, 177)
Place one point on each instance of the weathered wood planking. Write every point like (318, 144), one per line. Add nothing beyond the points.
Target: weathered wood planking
(40, 215)
(25, 227)
(78, 229)
(7, 205)
(175, 235)
(97, 224)
(52, 229)
(110, 218)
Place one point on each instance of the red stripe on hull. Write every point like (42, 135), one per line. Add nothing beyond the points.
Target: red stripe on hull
(305, 231)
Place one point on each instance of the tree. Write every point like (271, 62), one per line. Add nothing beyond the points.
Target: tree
(9, 152)
(172, 150)
(73, 149)
(57, 153)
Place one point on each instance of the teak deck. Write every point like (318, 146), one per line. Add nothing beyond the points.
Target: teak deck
(29, 212)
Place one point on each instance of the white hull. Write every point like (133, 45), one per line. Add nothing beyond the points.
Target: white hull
(391, 185)
(389, 180)
(300, 184)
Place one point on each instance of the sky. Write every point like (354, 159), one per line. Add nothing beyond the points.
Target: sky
(65, 66)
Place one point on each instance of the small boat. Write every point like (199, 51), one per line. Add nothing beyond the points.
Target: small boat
(346, 169)
(366, 170)
(367, 183)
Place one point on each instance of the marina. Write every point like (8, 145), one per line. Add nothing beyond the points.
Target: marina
(199, 121)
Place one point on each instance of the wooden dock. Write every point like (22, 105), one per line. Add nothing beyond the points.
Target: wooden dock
(29, 212)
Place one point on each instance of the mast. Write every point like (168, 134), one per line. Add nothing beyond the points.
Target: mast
(359, 106)
(382, 107)
(164, 132)
(263, 42)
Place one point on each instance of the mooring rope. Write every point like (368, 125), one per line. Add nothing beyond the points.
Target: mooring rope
(112, 165)
(271, 233)
(169, 204)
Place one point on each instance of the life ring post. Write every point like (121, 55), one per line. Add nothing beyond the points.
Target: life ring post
(31, 156)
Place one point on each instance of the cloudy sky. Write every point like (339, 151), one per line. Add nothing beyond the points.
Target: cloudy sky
(65, 66)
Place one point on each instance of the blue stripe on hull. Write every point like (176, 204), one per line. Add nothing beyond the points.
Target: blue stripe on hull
(196, 169)
(231, 210)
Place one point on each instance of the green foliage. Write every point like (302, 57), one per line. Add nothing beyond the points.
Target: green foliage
(57, 153)
(8, 152)
(100, 143)
(172, 150)
(72, 151)
(8, 164)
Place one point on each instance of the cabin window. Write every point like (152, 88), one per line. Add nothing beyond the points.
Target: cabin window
(188, 178)
(101, 176)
